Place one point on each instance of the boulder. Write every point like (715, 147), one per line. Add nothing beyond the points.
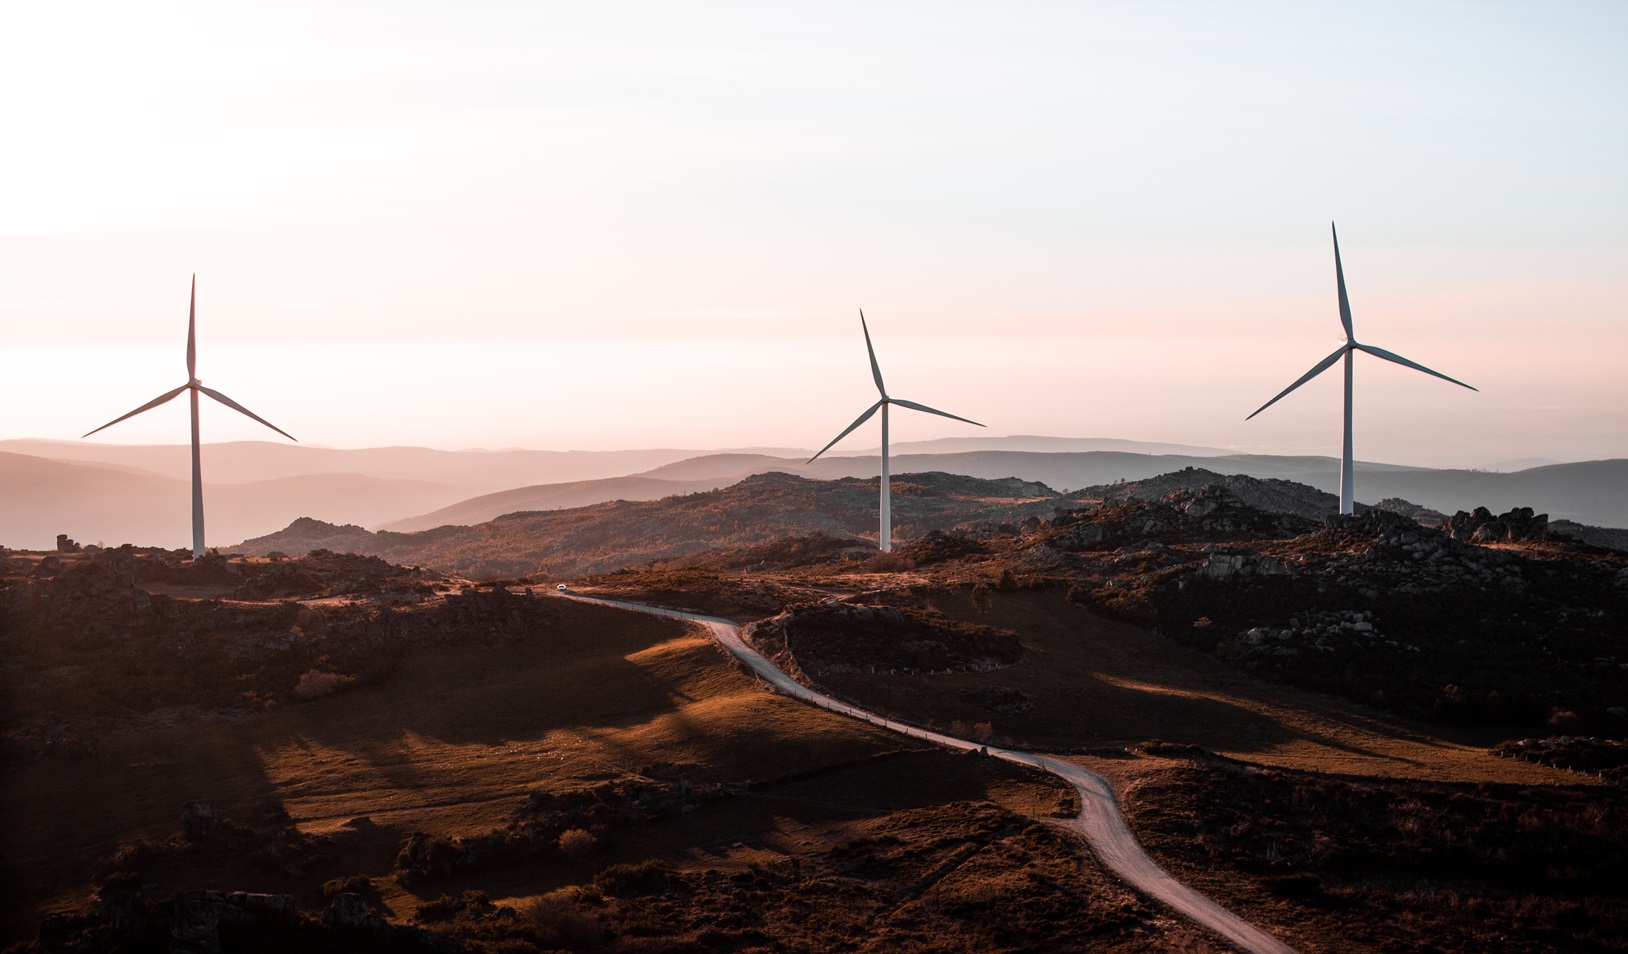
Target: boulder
(348, 909)
(1480, 526)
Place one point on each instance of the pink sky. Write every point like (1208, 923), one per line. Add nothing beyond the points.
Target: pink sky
(545, 226)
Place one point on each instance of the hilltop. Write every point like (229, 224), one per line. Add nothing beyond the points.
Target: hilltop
(115, 494)
(764, 508)
(610, 535)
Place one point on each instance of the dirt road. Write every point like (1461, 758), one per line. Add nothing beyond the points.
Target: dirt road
(1099, 822)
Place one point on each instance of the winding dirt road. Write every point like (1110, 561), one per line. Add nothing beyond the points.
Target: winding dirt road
(1099, 822)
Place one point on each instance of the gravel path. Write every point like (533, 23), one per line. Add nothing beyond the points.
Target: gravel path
(1099, 822)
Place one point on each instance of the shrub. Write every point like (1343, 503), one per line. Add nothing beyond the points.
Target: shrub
(441, 909)
(355, 884)
(577, 842)
(560, 922)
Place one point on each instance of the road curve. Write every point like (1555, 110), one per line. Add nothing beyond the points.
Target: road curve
(1099, 822)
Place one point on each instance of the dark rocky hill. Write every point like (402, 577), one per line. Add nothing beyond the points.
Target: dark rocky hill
(1271, 494)
(607, 536)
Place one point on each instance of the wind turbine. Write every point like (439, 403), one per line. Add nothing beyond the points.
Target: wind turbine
(886, 537)
(195, 386)
(1350, 345)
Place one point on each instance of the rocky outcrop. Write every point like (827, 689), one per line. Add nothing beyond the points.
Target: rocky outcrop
(1480, 526)
(1209, 513)
(196, 917)
(1344, 634)
(1225, 566)
(350, 910)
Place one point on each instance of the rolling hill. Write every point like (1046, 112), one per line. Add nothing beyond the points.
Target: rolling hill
(606, 536)
(108, 504)
(1584, 492)
(254, 487)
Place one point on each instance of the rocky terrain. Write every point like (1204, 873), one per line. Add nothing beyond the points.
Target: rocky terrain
(701, 529)
(1478, 619)
(381, 758)
(607, 536)
(386, 782)
(250, 644)
(1381, 610)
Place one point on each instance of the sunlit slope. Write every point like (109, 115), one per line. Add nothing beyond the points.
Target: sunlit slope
(452, 742)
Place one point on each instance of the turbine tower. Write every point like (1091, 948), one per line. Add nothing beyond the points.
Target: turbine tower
(1350, 345)
(195, 386)
(886, 509)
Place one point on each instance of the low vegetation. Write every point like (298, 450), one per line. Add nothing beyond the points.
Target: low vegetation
(1312, 720)
(1393, 865)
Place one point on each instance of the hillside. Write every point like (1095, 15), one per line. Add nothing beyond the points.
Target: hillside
(1334, 717)
(395, 764)
(1311, 720)
(610, 535)
(765, 508)
(548, 497)
(254, 487)
(1582, 492)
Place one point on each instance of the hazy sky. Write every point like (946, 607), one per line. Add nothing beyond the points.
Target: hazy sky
(573, 225)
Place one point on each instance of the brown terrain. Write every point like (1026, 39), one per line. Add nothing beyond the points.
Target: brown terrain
(1365, 734)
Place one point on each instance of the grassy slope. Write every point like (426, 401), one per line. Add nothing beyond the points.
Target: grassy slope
(451, 744)
(457, 737)
(1340, 828)
(1096, 682)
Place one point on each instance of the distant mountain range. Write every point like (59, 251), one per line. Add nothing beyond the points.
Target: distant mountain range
(107, 504)
(114, 494)
(1589, 492)
(759, 509)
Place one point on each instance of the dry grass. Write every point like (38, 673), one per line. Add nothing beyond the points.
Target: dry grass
(452, 744)
(1086, 682)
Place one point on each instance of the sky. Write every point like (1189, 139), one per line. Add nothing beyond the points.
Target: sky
(617, 225)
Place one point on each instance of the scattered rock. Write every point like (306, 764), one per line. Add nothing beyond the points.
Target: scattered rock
(1480, 526)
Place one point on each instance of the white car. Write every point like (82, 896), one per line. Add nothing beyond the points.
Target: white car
(562, 587)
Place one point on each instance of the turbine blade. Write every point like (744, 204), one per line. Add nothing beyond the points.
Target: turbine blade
(1339, 277)
(192, 332)
(1388, 356)
(931, 410)
(243, 410)
(862, 419)
(876, 372)
(1322, 366)
(168, 396)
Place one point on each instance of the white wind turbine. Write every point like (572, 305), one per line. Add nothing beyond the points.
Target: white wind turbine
(886, 537)
(195, 386)
(1347, 503)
